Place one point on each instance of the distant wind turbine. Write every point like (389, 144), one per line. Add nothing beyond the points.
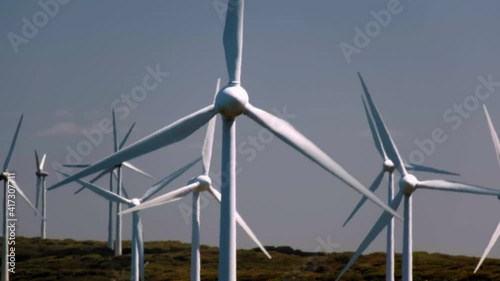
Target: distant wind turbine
(41, 189)
(118, 176)
(231, 102)
(408, 183)
(388, 167)
(9, 199)
(195, 186)
(137, 245)
(496, 144)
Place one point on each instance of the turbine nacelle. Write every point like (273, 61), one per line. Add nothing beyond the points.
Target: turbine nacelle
(135, 202)
(389, 166)
(232, 100)
(41, 173)
(408, 184)
(204, 183)
(4, 175)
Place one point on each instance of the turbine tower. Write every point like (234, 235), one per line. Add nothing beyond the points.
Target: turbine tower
(117, 174)
(137, 241)
(231, 102)
(408, 183)
(195, 186)
(388, 167)
(41, 189)
(9, 182)
(496, 144)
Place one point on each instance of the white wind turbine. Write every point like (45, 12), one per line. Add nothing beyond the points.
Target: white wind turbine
(388, 167)
(118, 176)
(230, 102)
(137, 241)
(496, 144)
(196, 185)
(41, 189)
(408, 183)
(9, 199)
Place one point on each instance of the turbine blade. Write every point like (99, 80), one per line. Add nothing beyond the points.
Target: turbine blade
(175, 132)
(100, 175)
(20, 192)
(43, 161)
(37, 162)
(12, 144)
(233, 39)
(381, 223)
(376, 138)
(457, 187)
(373, 187)
(125, 138)
(76, 165)
(294, 138)
(134, 168)
(115, 137)
(164, 199)
(216, 194)
(125, 192)
(207, 146)
(420, 168)
(106, 194)
(387, 141)
(164, 182)
(492, 242)
(209, 139)
(493, 133)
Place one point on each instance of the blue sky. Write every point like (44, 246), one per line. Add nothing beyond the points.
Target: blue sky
(426, 59)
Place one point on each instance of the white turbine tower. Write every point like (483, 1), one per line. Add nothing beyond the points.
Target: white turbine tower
(196, 185)
(408, 183)
(117, 246)
(388, 167)
(8, 182)
(137, 241)
(496, 144)
(231, 102)
(41, 189)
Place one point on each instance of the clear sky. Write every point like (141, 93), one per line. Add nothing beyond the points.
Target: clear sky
(428, 57)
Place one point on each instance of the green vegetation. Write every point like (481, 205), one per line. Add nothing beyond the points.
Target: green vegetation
(71, 260)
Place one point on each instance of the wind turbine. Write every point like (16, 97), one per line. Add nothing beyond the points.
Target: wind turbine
(408, 183)
(195, 186)
(230, 102)
(41, 174)
(496, 144)
(137, 245)
(118, 228)
(388, 167)
(9, 182)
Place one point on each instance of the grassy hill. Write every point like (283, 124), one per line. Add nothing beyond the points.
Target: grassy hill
(73, 260)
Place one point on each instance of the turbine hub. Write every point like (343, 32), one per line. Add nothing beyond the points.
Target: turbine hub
(231, 100)
(204, 181)
(388, 166)
(4, 175)
(408, 184)
(41, 173)
(136, 202)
